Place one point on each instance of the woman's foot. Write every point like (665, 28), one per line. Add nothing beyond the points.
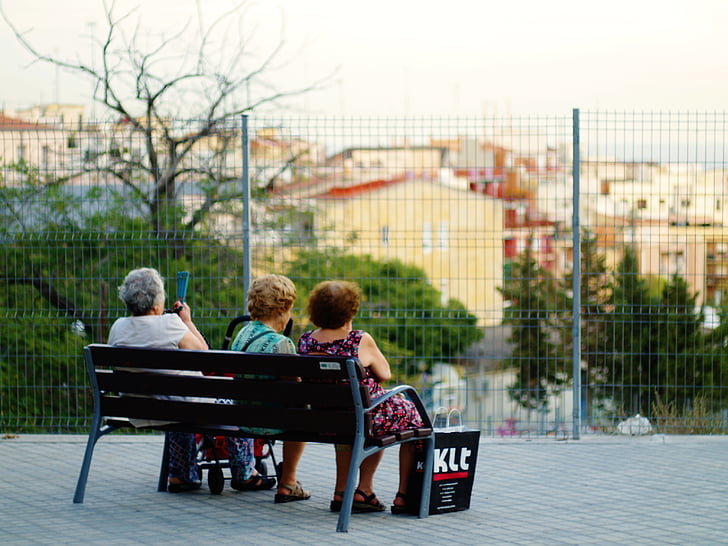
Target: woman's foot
(366, 503)
(291, 492)
(179, 485)
(362, 502)
(335, 505)
(256, 483)
(399, 505)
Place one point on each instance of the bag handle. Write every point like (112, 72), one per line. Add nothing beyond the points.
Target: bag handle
(438, 411)
(448, 417)
(450, 414)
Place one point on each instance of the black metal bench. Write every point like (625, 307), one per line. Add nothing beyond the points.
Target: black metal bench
(312, 398)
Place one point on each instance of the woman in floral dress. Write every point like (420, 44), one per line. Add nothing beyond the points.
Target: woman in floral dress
(332, 306)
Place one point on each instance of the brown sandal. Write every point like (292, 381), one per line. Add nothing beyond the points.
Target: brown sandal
(297, 493)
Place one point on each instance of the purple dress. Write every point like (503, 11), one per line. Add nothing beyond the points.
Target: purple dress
(394, 414)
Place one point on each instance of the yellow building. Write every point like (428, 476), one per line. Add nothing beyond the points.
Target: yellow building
(698, 254)
(454, 235)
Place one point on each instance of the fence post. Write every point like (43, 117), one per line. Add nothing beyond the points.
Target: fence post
(576, 279)
(246, 210)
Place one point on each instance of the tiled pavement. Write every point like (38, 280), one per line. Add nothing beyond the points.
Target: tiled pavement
(597, 490)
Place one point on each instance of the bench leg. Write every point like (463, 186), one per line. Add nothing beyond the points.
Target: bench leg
(342, 526)
(164, 469)
(429, 447)
(85, 466)
(96, 432)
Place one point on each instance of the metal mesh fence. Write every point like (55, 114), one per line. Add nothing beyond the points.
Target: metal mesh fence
(494, 280)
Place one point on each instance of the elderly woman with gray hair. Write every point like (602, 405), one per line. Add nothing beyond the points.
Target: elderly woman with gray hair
(149, 326)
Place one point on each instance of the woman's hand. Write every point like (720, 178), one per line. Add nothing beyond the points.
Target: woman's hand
(193, 339)
(183, 310)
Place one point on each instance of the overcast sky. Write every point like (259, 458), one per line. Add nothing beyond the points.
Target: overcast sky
(425, 57)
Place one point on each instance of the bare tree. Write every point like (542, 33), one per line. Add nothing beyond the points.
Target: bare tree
(203, 73)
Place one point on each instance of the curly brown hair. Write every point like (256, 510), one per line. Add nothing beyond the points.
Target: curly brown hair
(332, 304)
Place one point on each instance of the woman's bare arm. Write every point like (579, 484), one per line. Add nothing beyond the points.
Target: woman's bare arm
(372, 357)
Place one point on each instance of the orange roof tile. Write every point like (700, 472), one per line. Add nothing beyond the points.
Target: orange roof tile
(13, 124)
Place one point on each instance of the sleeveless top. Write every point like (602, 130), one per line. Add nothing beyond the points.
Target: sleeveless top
(256, 337)
(394, 414)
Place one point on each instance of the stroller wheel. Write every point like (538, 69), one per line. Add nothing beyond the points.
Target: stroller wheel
(215, 480)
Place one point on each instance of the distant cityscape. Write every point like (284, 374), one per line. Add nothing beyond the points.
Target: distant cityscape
(672, 211)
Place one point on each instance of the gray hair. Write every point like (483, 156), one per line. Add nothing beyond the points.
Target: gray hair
(142, 289)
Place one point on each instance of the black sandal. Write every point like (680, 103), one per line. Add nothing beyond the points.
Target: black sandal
(371, 503)
(256, 483)
(403, 509)
(335, 505)
(184, 486)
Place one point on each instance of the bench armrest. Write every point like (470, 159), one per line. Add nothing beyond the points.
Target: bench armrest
(411, 393)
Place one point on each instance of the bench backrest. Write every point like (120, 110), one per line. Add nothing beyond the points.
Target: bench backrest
(301, 394)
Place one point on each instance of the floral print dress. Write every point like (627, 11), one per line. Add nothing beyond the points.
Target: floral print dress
(394, 414)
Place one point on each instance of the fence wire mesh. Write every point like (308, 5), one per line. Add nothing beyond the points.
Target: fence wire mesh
(460, 232)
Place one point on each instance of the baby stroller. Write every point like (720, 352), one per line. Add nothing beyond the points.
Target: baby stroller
(212, 451)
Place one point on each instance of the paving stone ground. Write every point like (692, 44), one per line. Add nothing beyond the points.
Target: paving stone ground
(596, 490)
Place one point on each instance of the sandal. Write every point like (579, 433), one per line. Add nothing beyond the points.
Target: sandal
(256, 483)
(371, 503)
(335, 505)
(297, 493)
(184, 486)
(400, 509)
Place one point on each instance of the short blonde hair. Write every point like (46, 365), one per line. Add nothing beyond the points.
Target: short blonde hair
(332, 304)
(270, 295)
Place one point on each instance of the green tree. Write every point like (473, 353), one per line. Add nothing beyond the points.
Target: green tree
(56, 298)
(660, 353)
(716, 365)
(596, 292)
(680, 371)
(631, 344)
(539, 306)
(400, 307)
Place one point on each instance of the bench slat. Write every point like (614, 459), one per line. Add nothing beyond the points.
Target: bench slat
(293, 392)
(229, 430)
(221, 362)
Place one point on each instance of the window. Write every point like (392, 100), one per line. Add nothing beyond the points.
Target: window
(672, 263)
(444, 292)
(520, 245)
(444, 235)
(385, 235)
(427, 237)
